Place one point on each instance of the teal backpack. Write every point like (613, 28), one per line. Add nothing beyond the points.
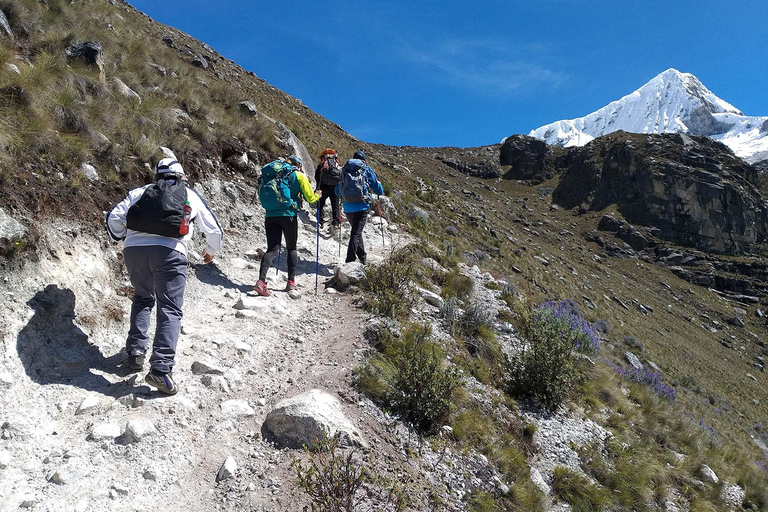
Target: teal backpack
(275, 187)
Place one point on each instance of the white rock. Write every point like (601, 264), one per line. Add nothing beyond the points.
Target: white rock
(294, 294)
(246, 313)
(539, 482)
(5, 459)
(227, 470)
(89, 172)
(105, 430)
(138, 428)
(430, 297)
(250, 302)
(306, 418)
(350, 273)
(90, 402)
(235, 409)
(708, 475)
(126, 91)
(13, 68)
(242, 346)
(633, 361)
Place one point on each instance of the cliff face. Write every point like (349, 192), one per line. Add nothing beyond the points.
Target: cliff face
(693, 190)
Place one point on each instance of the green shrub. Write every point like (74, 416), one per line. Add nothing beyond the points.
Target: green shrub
(341, 483)
(547, 368)
(412, 378)
(456, 285)
(389, 284)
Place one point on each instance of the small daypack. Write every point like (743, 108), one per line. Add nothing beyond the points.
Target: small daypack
(330, 172)
(159, 209)
(275, 187)
(354, 185)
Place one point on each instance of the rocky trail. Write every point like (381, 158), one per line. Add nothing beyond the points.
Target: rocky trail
(81, 433)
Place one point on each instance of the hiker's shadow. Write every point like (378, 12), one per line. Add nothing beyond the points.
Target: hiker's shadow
(53, 350)
(211, 274)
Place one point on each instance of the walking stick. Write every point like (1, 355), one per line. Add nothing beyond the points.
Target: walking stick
(381, 222)
(317, 251)
(340, 226)
(277, 265)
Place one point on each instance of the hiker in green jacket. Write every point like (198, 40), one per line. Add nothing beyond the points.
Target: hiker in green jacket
(280, 187)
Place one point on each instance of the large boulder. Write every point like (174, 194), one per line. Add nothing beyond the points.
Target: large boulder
(307, 419)
(89, 52)
(693, 190)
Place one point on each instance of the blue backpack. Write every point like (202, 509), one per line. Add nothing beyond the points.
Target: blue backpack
(275, 187)
(354, 182)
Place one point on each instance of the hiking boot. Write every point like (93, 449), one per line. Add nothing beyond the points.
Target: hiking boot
(135, 360)
(291, 285)
(261, 288)
(163, 382)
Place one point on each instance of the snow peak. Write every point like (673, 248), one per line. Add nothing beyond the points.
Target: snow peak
(160, 209)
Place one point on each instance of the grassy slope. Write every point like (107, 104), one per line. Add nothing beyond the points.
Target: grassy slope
(46, 139)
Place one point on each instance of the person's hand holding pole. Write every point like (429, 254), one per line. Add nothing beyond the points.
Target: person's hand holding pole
(207, 258)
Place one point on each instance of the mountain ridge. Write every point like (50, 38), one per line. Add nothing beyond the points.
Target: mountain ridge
(671, 102)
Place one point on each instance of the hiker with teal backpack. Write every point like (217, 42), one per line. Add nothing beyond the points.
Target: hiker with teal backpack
(358, 183)
(280, 188)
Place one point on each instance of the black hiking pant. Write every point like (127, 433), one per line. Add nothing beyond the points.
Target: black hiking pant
(356, 248)
(329, 192)
(276, 227)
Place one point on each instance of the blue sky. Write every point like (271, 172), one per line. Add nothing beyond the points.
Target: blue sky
(464, 73)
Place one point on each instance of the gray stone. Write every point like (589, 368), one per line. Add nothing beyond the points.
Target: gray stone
(350, 273)
(304, 419)
(539, 482)
(227, 470)
(206, 367)
(5, 27)
(10, 229)
(430, 297)
(707, 475)
(633, 361)
(248, 107)
(126, 91)
(91, 53)
(89, 172)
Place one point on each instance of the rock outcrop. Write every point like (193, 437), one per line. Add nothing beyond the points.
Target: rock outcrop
(693, 190)
(531, 159)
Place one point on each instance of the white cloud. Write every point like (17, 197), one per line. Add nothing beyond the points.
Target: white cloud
(486, 67)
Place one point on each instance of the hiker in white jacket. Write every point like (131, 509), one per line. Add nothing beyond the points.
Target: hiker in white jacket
(155, 254)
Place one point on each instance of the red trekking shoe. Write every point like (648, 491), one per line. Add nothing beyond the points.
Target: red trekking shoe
(261, 288)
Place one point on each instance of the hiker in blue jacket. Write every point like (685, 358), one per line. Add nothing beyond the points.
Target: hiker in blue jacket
(358, 182)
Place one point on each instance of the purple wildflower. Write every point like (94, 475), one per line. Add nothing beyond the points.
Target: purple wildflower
(648, 378)
(585, 335)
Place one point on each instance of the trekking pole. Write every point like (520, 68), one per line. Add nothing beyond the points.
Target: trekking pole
(340, 226)
(381, 222)
(317, 251)
(277, 265)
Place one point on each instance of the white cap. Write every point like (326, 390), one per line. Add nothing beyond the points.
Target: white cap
(170, 166)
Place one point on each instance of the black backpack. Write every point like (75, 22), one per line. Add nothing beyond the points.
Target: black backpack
(160, 209)
(330, 173)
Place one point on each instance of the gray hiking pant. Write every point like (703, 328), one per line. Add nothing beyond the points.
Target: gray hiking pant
(156, 273)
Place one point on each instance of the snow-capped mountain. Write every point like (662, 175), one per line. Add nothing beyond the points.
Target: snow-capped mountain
(671, 102)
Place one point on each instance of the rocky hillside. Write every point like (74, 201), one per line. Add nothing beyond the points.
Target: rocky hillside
(667, 415)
